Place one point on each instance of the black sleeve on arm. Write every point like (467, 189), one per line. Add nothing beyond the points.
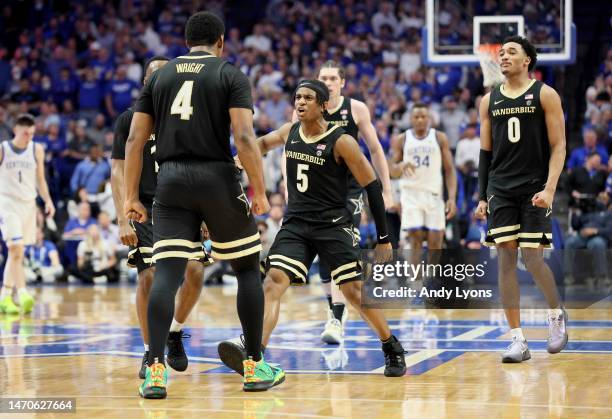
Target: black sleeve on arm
(484, 164)
(377, 207)
(122, 130)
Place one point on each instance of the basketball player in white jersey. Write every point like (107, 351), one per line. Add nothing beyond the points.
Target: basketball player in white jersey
(22, 172)
(418, 156)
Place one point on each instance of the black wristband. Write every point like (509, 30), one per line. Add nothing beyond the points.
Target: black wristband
(484, 164)
(377, 207)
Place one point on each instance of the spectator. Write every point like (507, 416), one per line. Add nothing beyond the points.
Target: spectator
(258, 40)
(578, 155)
(98, 130)
(75, 227)
(468, 150)
(90, 95)
(92, 172)
(96, 258)
(452, 117)
(585, 183)
(385, 16)
(6, 133)
(274, 220)
(120, 92)
(42, 260)
(367, 232)
(593, 232)
(26, 95)
(275, 107)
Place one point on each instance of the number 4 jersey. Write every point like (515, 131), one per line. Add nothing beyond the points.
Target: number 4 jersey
(190, 98)
(315, 181)
(521, 150)
(425, 156)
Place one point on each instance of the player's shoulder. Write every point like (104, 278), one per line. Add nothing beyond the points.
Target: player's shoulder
(356, 105)
(441, 136)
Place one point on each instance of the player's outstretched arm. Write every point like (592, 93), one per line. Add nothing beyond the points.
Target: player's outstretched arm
(140, 131)
(41, 181)
(274, 139)
(450, 174)
(555, 126)
(368, 132)
(249, 155)
(486, 155)
(347, 149)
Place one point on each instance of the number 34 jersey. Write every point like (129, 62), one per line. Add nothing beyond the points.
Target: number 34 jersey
(425, 156)
(316, 183)
(521, 150)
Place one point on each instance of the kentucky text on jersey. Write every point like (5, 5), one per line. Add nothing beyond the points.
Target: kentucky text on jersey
(305, 157)
(189, 67)
(515, 110)
(19, 165)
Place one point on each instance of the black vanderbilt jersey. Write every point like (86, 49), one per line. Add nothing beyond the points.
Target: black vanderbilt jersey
(521, 151)
(315, 181)
(148, 178)
(190, 98)
(343, 117)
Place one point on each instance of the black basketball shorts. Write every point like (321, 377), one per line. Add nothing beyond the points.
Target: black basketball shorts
(515, 218)
(141, 255)
(299, 241)
(354, 204)
(190, 192)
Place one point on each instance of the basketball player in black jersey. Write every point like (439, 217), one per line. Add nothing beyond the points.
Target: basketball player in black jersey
(320, 157)
(522, 154)
(353, 116)
(190, 104)
(140, 239)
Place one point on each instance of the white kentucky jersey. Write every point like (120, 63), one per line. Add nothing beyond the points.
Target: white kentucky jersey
(18, 172)
(426, 157)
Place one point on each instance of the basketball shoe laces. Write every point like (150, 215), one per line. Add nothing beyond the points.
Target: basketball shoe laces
(394, 359)
(157, 375)
(555, 325)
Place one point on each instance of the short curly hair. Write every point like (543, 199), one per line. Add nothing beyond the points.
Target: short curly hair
(527, 47)
(203, 28)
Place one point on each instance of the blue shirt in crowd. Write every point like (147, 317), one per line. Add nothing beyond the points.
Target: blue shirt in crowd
(90, 175)
(40, 254)
(579, 155)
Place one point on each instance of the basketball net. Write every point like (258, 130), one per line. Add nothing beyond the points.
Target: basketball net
(489, 62)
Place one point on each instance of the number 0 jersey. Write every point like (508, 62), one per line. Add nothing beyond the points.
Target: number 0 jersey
(521, 151)
(425, 155)
(190, 98)
(315, 181)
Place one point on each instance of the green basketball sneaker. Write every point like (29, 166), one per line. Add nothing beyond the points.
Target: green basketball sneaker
(26, 301)
(154, 385)
(7, 306)
(260, 376)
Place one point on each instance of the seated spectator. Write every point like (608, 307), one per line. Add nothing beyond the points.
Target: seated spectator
(585, 183)
(98, 129)
(593, 232)
(110, 232)
(42, 260)
(92, 172)
(96, 258)
(578, 155)
(76, 227)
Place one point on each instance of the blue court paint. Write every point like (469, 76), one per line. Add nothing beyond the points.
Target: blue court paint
(295, 346)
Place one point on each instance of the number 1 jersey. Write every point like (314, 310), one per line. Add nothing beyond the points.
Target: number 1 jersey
(190, 98)
(521, 150)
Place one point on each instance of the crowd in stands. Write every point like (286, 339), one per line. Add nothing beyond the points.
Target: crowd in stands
(76, 69)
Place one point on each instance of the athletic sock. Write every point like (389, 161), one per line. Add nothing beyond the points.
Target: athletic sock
(338, 310)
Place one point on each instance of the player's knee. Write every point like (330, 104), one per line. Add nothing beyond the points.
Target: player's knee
(533, 259)
(352, 291)
(194, 273)
(246, 263)
(276, 282)
(16, 251)
(145, 279)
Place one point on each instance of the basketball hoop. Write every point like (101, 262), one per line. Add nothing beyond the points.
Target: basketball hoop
(489, 62)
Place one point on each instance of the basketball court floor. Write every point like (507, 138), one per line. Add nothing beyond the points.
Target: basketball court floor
(84, 343)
